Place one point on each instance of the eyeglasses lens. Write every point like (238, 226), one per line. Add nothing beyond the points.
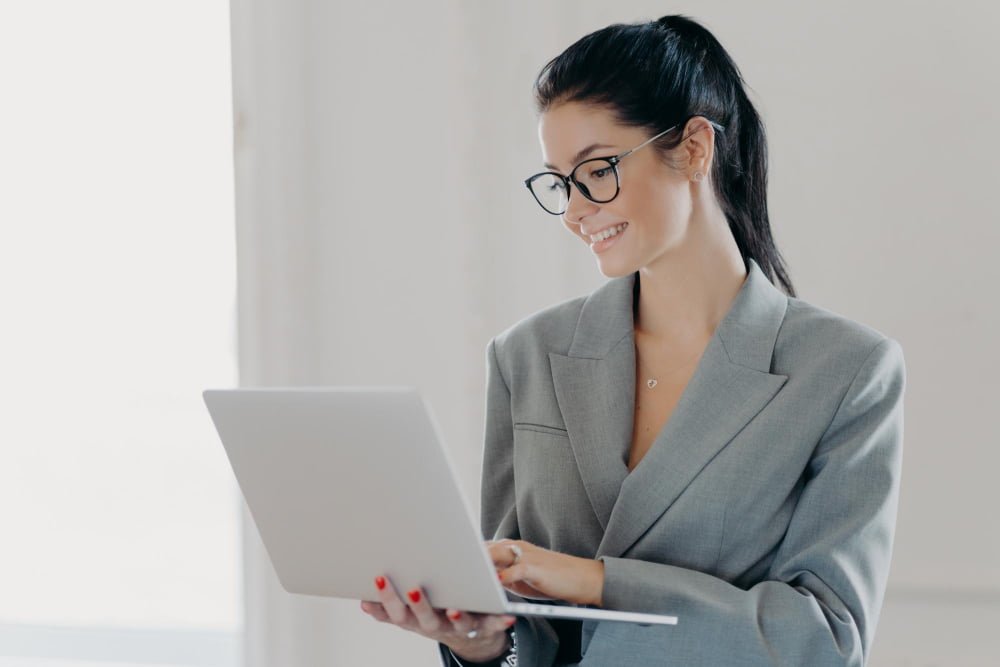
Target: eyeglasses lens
(596, 179)
(550, 191)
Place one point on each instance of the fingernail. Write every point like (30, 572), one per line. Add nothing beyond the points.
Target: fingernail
(414, 596)
(511, 622)
(380, 583)
(500, 576)
(455, 615)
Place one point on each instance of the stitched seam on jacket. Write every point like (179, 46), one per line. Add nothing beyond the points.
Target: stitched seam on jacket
(541, 428)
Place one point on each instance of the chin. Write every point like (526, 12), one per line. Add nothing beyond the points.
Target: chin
(614, 269)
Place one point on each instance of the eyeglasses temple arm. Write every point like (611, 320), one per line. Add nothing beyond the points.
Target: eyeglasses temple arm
(647, 141)
(652, 139)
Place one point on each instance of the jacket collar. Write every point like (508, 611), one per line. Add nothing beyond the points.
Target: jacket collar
(748, 330)
(595, 388)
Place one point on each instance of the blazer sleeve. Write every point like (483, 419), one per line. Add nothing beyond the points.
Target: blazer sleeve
(498, 509)
(538, 642)
(820, 600)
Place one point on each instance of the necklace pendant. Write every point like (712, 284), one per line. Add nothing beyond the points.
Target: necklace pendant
(651, 382)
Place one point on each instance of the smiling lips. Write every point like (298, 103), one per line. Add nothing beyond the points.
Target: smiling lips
(607, 233)
(604, 239)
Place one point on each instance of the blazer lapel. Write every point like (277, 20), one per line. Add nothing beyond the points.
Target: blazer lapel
(730, 385)
(595, 388)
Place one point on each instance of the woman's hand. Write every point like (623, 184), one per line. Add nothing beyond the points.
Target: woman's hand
(534, 572)
(451, 627)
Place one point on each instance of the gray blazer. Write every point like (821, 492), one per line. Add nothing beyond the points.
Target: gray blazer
(763, 514)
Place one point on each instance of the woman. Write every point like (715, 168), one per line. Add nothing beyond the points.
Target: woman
(687, 439)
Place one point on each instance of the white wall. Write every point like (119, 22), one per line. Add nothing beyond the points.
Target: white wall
(119, 518)
(385, 235)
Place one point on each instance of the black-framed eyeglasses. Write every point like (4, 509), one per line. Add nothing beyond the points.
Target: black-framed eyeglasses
(597, 179)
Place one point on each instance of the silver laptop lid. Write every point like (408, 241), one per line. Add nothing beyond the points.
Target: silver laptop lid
(347, 483)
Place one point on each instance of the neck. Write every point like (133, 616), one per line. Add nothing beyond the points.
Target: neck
(684, 294)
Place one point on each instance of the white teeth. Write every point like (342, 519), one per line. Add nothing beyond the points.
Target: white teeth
(607, 233)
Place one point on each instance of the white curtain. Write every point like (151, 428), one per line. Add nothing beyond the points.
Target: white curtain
(385, 236)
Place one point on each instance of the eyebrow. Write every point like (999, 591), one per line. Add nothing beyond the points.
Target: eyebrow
(580, 155)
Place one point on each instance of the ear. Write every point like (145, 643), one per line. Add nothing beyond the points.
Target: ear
(698, 148)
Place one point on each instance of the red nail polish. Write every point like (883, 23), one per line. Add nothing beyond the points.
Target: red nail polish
(455, 615)
(510, 623)
(380, 583)
(414, 596)
(500, 576)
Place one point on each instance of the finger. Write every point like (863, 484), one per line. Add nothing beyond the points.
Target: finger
(529, 581)
(497, 622)
(375, 610)
(501, 553)
(461, 621)
(516, 573)
(429, 620)
(397, 610)
(465, 622)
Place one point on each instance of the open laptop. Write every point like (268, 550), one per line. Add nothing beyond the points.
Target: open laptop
(348, 483)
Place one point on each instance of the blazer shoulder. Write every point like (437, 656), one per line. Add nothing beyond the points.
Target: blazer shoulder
(811, 332)
(549, 329)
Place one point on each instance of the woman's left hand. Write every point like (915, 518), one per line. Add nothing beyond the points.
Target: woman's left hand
(533, 572)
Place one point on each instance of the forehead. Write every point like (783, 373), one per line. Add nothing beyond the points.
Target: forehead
(566, 129)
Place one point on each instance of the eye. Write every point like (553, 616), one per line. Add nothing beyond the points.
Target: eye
(599, 173)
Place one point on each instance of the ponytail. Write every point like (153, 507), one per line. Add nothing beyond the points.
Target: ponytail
(661, 73)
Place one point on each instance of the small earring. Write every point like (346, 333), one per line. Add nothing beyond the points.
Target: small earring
(698, 176)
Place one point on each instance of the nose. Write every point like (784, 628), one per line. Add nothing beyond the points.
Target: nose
(578, 207)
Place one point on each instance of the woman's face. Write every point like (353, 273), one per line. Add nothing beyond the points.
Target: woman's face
(654, 206)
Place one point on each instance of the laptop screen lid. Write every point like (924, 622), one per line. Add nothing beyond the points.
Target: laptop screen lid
(347, 483)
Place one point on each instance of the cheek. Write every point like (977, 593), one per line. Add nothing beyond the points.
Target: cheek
(663, 204)
(574, 229)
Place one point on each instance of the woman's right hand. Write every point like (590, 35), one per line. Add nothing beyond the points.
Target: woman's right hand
(451, 627)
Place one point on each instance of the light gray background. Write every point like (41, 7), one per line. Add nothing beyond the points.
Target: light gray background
(385, 236)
